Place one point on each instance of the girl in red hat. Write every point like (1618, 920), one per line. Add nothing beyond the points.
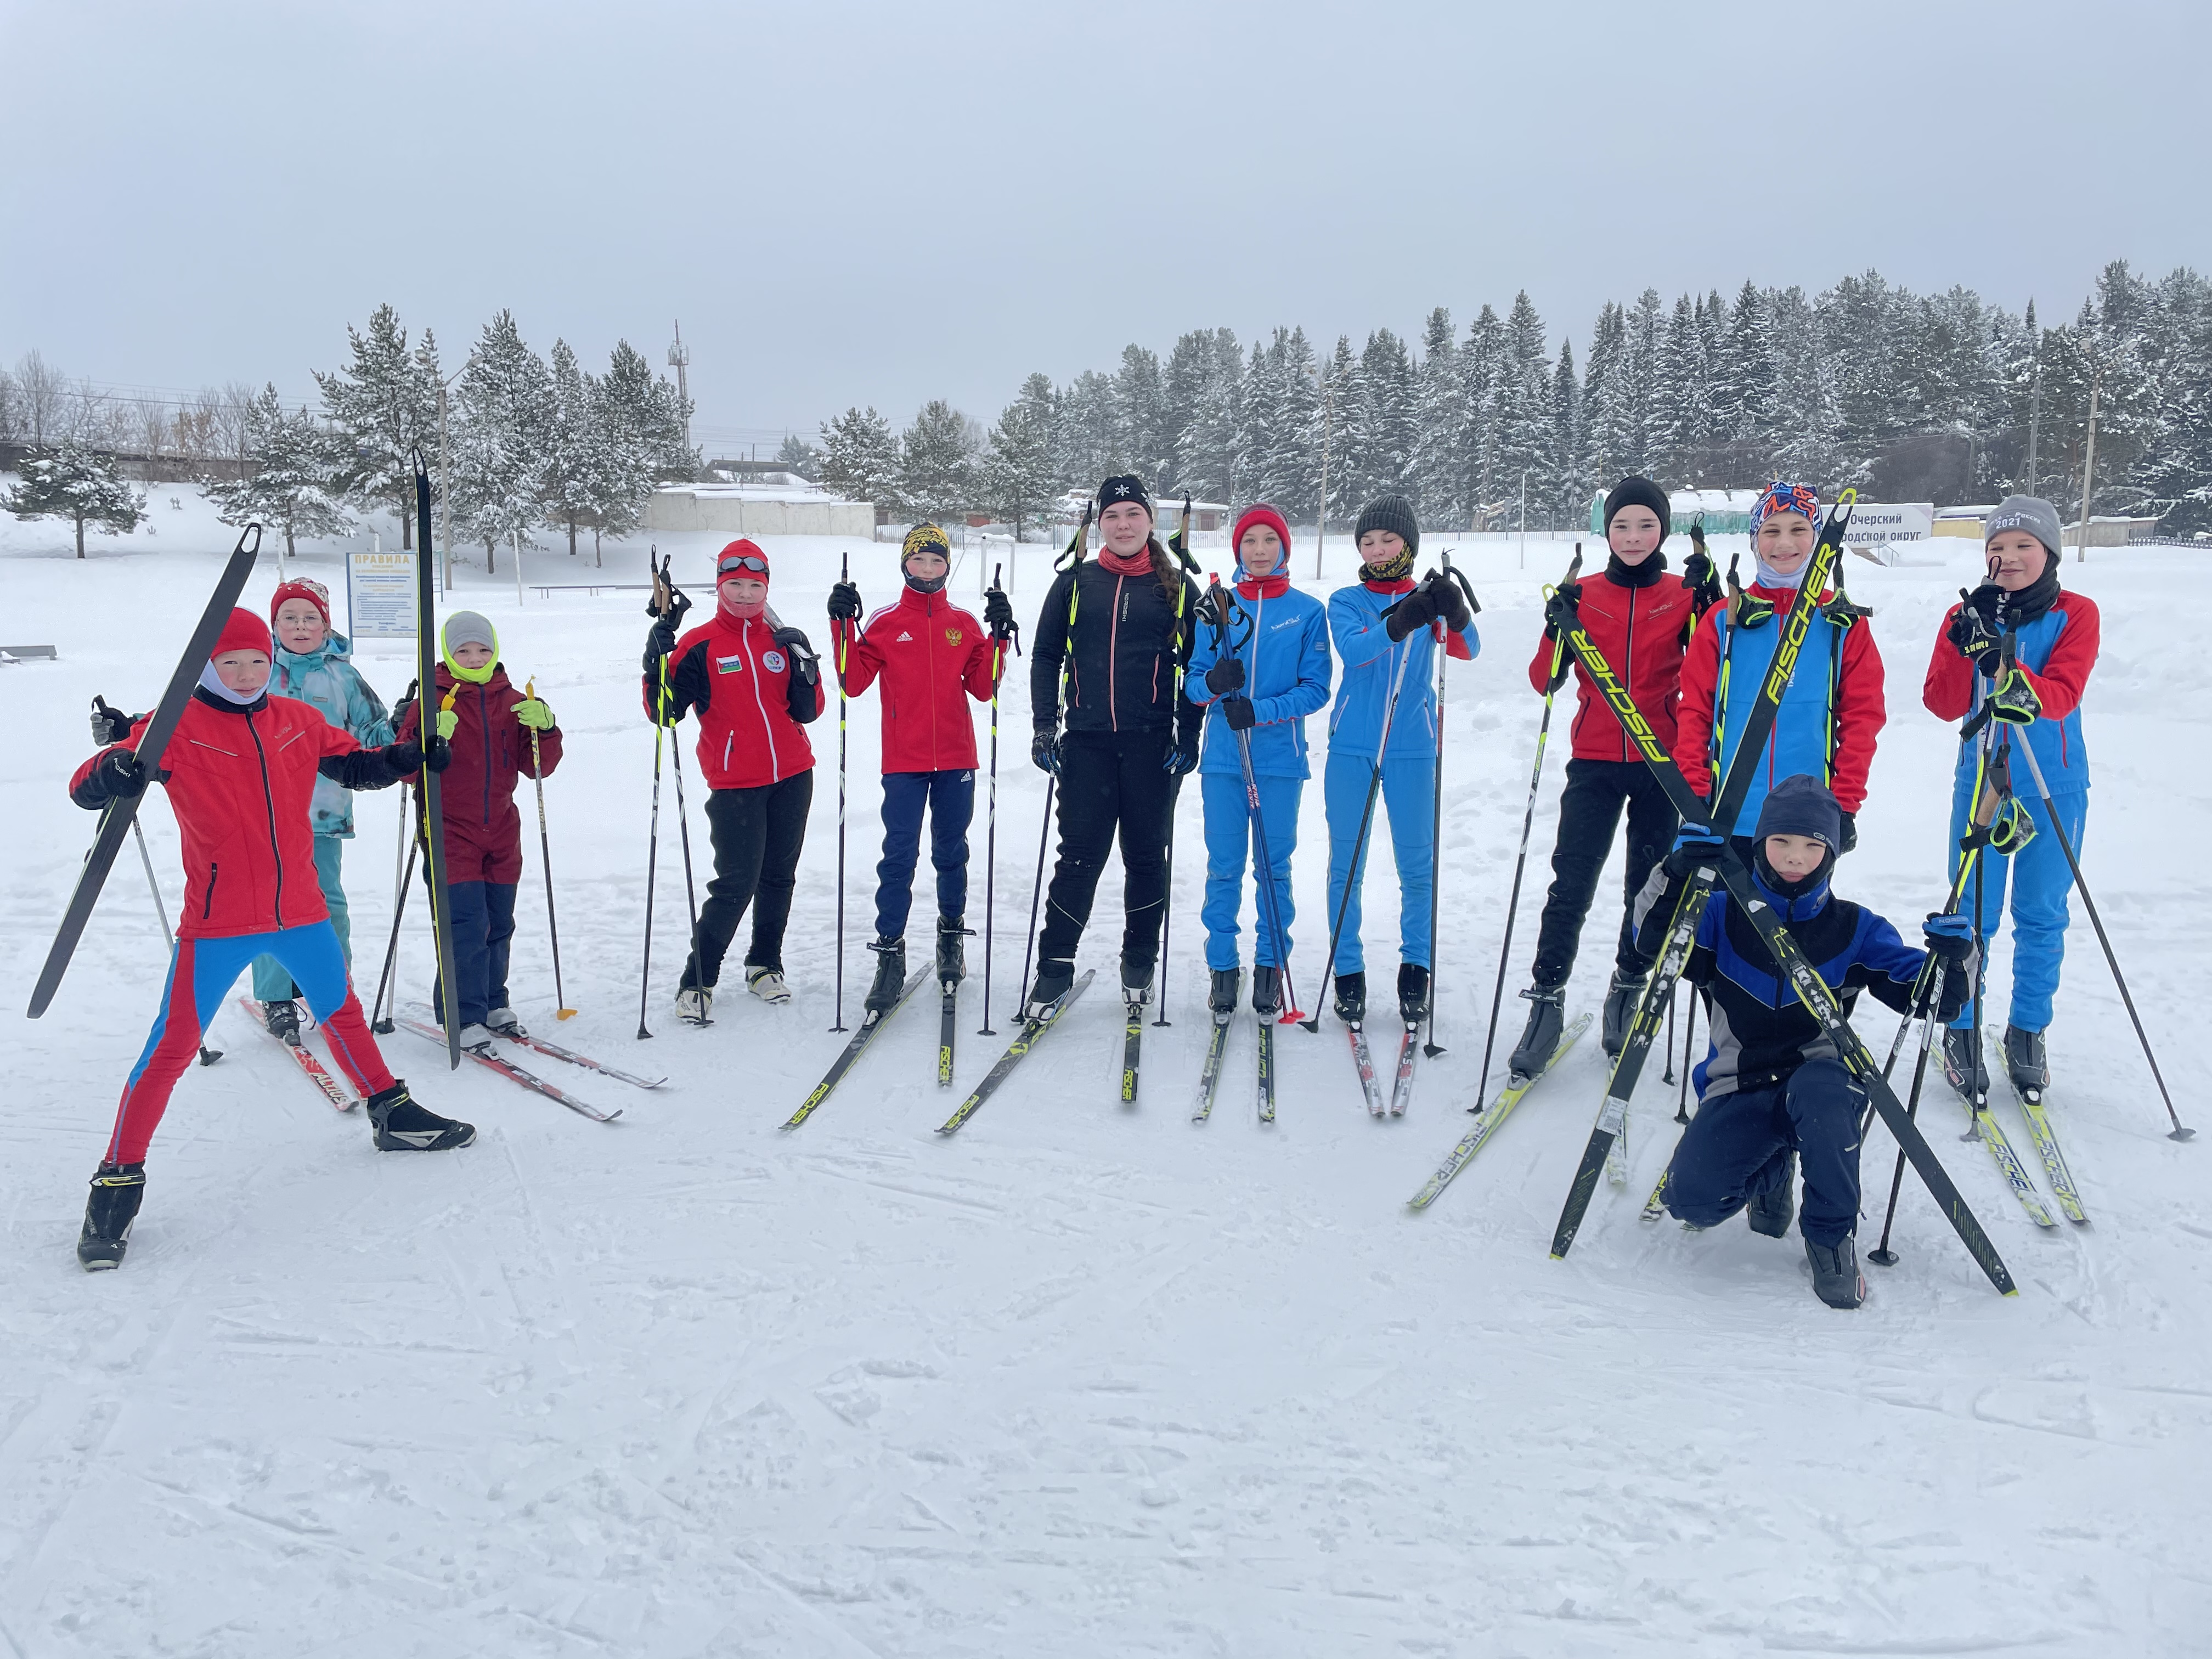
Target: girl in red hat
(241, 771)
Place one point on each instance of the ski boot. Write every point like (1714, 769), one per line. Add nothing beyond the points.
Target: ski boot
(694, 1003)
(1621, 996)
(1221, 999)
(401, 1126)
(767, 984)
(477, 1039)
(283, 1020)
(2025, 1062)
(1351, 998)
(1136, 979)
(502, 1021)
(1051, 984)
(1412, 992)
(117, 1189)
(891, 975)
(951, 953)
(1769, 1213)
(1547, 1014)
(1963, 1066)
(1267, 992)
(1836, 1277)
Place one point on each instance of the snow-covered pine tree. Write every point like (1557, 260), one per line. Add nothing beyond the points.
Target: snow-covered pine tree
(1567, 482)
(1147, 431)
(75, 482)
(1391, 405)
(1208, 445)
(385, 401)
(573, 481)
(1677, 434)
(501, 438)
(1744, 410)
(1808, 444)
(861, 458)
(1479, 355)
(1341, 407)
(936, 462)
(1523, 408)
(292, 488)
(1016, 482)
(2176, 470)
(1437, 478)
(1088, 436)
(797, 456)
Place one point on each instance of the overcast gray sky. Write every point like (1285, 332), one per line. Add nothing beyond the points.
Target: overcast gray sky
(870, 202)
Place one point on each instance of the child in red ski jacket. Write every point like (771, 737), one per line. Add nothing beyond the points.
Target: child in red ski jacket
(932, 657)
(240, 770)
(753, 683)
(488, 725)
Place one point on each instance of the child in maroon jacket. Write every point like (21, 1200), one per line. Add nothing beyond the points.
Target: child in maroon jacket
(932, 657)
(754, 684)
(489, 723)
(241, 771)
(1641, 617)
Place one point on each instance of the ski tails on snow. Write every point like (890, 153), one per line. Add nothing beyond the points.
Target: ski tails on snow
(1032, 1032)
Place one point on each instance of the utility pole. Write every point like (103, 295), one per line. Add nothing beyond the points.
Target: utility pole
(2034, 400)
(1524, 519)
(679, 358)
(2088, 472)
(445, 490)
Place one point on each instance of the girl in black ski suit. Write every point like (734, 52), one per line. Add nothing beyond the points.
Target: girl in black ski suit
(1118, 631)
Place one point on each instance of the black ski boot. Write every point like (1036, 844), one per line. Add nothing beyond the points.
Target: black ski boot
(1351, 998)
(951, 953)
(1836, 1277)
(1266, 992)
(1051, 984)
(1963, 1065)
(401, 1126)
(1136, 979)
(1547, 1015)
(1221, 999)
(891, 974)
(2025, 1062)
(108, 1213)
(1621, 996)
(1769, 1213)
(1412, 992)
(284, 1021)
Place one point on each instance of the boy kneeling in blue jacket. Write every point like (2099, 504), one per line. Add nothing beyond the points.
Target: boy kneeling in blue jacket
(1772, 1089)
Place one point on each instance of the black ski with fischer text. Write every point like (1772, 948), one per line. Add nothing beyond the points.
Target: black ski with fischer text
(870, 1024)
(1032, 1032)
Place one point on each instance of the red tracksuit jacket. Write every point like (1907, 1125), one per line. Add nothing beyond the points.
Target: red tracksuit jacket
(491, 756)
(242, 783)
(1643, 632)
(932, 657)
(739, 679)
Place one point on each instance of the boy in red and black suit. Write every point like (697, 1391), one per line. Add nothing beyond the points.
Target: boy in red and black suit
(241, 771)
(754, 684)
(1641, 618)
(932, 657)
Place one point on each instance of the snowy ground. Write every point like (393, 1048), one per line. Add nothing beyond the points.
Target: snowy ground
(1083, 1380)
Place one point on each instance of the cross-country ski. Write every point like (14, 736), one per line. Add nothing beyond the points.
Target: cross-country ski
(311, 1067)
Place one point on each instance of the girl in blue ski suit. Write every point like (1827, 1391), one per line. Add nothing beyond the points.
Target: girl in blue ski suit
(1375, 649)
(314, 666)
(1274, 673)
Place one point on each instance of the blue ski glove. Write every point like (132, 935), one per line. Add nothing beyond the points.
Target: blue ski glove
(1951, 938)
(1950, 935)
(1183, 753)
(1697, 845)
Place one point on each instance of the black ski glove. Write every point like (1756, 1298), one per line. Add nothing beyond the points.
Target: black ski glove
(844, 602)
(1974, 626)
(1417, 610)
(2013, 699)
(1239, 712)
(404, 758)
(1700, 576)
(1044, 750)
(800, 697)
(1456, 609)
(1951, 937)
(1181, 757)
(998, 615)
(659, 643)
(120, 776)
(1225, 676)
(1851, 833)
(110, 725)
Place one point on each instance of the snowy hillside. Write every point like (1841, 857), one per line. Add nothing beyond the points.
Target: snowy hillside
(1083, 1380)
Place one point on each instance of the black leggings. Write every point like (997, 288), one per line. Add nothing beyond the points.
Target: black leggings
(1111, 780)
(1590, 811)
(757, 834)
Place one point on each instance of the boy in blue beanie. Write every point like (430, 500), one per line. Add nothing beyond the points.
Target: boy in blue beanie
(1772, 1089)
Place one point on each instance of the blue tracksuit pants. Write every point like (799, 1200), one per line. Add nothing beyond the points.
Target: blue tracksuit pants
(270, 982)
(1228, 841)
(950, 798)
(1408, 802)
(2039, 881)
(1738, 1146)
(483, 933)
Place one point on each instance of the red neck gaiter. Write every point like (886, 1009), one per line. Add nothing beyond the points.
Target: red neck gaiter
(1403, 585)
(1139, 564)
(1264, 587)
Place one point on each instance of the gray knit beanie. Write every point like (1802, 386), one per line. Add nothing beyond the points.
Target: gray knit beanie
(2030, 513)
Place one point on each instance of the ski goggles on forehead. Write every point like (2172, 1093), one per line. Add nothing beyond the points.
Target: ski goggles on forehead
(744, 562)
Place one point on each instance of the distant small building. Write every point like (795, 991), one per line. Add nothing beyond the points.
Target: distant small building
(770, 503)
(1726, 512)
(1206, 517)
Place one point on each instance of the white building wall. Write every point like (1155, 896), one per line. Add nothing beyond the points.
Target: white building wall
(726, 514)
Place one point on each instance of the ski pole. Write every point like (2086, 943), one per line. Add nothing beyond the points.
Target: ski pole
(991, 821)
(683, 834)
(1689, 1038)
(1528, 819)
(845, 574)
(1882, 1254)
(652, 866)
(2111, 961)
(1359, 841)
(1037, 893)
(380, 1022)
(561, 1010)
(208, 1056)
(1668, 1076)
(1166, 901)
